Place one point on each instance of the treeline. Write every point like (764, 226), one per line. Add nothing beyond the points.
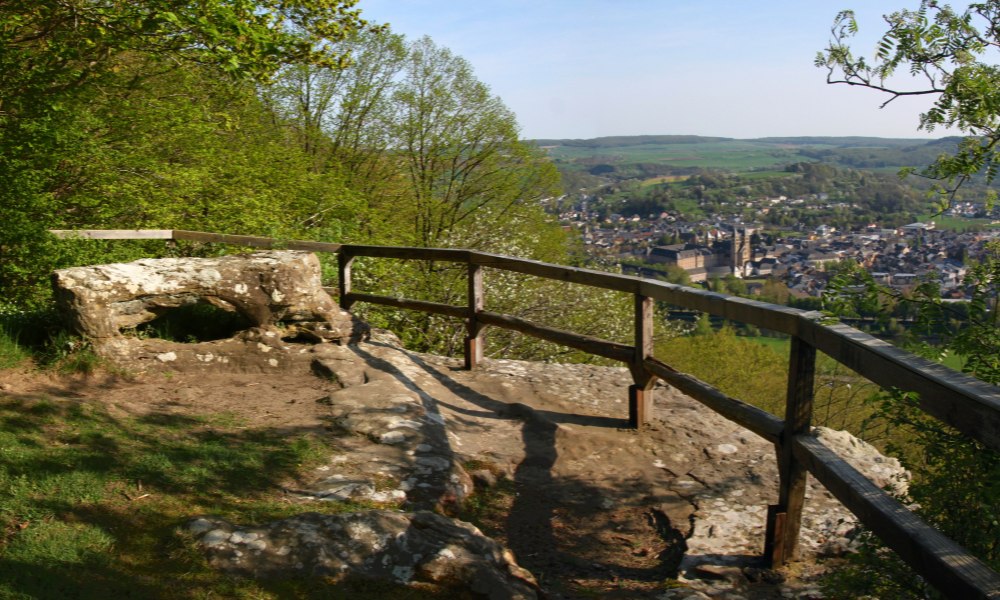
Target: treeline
(629, 140)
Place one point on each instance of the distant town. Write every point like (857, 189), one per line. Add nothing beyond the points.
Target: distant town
(799, 257)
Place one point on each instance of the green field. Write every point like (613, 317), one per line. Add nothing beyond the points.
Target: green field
(732, 155)
(959, 223)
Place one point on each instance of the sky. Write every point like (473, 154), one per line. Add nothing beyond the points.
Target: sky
(729, 68)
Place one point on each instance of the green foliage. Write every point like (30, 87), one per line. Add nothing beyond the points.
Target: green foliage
(946, 52)
(134, 115)
(875, 572)
(758, 376)
(956, 481)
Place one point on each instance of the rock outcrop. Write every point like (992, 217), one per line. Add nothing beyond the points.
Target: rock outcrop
(396, 546)
(278, 295)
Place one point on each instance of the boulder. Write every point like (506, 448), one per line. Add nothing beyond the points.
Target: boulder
(402, 547)
(278, 295)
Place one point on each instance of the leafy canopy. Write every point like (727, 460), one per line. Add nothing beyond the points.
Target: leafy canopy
(948, 55)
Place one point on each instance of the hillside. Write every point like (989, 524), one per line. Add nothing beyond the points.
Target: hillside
(623, 157)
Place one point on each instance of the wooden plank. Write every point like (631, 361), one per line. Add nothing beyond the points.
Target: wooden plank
(761, 314)
(254, 241)
(640, 393)
(592, 345)
(756, 420)
(643, 327)
(473, 328)
(792, 473)
(967, 404)
(942, 562)
(113, 234)
(447, 310)
(344, 263)
(410, 253)
(600, 279)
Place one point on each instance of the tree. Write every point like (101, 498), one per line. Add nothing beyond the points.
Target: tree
(946, 52)
(956, 481)
(63, 61)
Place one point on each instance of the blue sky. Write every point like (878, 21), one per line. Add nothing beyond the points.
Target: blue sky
(731, 68)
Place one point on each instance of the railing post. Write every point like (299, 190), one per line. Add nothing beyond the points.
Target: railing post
(784, 519)
(344, 261)
(474, 329)
(640, 393)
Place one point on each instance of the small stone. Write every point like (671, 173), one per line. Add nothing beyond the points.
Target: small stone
(392, 437)
(719, 572)
(216, 537)
(200, 525)
(435, 463)
(258, 545)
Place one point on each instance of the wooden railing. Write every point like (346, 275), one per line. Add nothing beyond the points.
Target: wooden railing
(969, 405)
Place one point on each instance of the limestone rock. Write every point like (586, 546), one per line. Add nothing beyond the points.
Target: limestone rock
(266, 288)
(402, 547)
(339, 364)
(885, 471)
(278, 294)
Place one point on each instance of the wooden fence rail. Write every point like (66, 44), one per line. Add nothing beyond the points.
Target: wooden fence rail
(969, 405)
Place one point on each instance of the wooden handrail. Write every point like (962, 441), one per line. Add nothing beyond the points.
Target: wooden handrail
(969, 405)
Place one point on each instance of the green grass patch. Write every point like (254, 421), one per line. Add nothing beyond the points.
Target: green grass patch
(90, 503)
(734, 155)
(663, 179)
(12, 353)
(950, 223)
(779, 345)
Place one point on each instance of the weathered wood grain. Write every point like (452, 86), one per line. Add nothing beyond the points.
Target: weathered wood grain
(410, 253)
(792, 473)
(254, 241)
(942, 562)
(113, 234)
(967, 404)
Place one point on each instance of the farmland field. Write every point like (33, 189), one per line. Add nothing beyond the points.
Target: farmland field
(741, 156)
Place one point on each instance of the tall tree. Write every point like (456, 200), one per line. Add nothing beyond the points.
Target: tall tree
(60, 60)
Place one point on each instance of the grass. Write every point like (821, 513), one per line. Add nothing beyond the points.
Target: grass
(12, 353)
(663, 179)
(951, 223)
(90, 504)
